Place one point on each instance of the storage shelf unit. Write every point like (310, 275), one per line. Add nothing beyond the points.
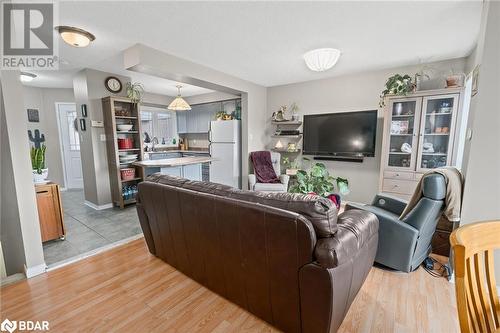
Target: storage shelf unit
(425, 122)
(285, 139)
(109, 106)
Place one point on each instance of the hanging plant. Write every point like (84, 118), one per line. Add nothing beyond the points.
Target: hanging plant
(397, 85)
(135, 92)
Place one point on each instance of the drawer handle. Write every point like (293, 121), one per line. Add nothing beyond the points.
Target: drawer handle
(397, 175)
(42, 192)
(394, 186)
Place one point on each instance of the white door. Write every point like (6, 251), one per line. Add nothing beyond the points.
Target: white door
(70, 144)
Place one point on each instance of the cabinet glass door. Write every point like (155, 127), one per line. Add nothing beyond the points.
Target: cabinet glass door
(403, 128)
(436, 131)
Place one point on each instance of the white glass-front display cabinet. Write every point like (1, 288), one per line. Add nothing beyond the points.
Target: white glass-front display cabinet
(436, 131)
(402, 131)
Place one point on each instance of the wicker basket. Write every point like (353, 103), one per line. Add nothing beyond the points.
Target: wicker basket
(127, 173)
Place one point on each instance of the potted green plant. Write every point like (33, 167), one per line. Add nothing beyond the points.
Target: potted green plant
(397, 85)
(40, 172)
(319, 181)
(135, 92)
(291, 166)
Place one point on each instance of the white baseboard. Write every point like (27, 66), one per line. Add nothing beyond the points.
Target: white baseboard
(96, 207)
(35, 270)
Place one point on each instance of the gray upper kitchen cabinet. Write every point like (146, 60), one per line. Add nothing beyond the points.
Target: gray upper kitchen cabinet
(182, 121)
(191, 120)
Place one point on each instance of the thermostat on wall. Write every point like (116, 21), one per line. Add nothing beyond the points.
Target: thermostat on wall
(97, 123)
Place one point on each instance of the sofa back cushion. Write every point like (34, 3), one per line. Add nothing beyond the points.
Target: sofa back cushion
(321, 212)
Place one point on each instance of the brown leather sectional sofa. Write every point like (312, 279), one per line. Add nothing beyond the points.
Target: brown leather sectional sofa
(287, 258)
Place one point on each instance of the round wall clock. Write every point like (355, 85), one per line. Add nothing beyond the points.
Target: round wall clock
(113, 84)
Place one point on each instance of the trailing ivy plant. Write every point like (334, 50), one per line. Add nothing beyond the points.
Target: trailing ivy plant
(397, 85)
(318, 181)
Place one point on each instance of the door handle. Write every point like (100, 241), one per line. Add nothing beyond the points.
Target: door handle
(210, 148)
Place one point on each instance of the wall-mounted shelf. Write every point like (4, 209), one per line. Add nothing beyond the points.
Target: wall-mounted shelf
(286, 151)
(288, 122)
(299, 136)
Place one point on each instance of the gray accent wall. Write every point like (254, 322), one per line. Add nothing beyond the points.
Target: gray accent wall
(22, 225)
(354, 92)
(45, 99)
(89, 89)
(481, 199)
(10, 225)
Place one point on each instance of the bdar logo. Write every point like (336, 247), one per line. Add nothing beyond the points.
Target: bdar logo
(8, 325)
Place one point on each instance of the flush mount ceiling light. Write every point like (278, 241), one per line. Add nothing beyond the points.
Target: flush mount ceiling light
(179, 104)
(320, 60)
(74, 36)
(27, 77)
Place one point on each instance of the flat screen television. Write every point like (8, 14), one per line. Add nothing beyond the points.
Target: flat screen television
(344, 134)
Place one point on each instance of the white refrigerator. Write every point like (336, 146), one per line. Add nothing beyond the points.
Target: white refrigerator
(225, 149)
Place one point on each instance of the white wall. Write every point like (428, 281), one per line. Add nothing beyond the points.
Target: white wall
(21, 191)
(354, 92)
(44, 100)
(482, 185)
(149, 61)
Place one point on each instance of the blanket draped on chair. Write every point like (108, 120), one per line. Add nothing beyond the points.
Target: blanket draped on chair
(263, 167)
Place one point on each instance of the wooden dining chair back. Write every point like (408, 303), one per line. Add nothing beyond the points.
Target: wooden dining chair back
(476, 289)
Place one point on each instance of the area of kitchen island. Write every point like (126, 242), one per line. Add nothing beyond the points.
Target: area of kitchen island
(189, 167)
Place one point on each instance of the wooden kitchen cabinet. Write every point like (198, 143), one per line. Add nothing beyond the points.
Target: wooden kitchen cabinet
(48, 199)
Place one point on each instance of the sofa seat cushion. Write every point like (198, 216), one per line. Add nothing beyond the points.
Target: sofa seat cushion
(269, 187)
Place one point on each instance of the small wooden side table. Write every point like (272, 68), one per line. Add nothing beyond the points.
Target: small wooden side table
(48, 198)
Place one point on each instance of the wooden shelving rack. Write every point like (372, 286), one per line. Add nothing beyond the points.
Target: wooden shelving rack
(133, 117)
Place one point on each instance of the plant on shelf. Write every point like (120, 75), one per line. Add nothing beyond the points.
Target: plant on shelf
(291, 166)
(135, 92)
(319, 181)
(295, 111)
(38, 164)
(397, 85)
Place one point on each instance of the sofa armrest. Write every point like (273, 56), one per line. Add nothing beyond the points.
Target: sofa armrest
(355, 229)
(391, 204)
(285, 179)
(252, 180)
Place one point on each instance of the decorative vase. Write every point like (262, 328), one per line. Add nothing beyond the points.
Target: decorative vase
(40, 178)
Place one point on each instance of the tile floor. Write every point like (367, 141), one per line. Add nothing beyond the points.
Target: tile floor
(88, 229)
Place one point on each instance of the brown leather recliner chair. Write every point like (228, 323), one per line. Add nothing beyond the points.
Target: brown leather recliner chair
(287, 258)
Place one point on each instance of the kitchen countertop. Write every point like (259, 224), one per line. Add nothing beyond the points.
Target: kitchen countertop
(171, 162)
(200, 151)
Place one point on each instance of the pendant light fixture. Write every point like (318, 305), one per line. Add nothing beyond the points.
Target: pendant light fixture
(179, 104)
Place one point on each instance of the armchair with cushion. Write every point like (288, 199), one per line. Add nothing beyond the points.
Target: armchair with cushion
(282, 186)
(405, 242)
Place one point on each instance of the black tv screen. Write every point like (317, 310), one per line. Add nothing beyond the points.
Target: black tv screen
(340, 134)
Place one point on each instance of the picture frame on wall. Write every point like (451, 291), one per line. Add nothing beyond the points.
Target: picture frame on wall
(33, 115)
(84, 110)
(83, 125)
